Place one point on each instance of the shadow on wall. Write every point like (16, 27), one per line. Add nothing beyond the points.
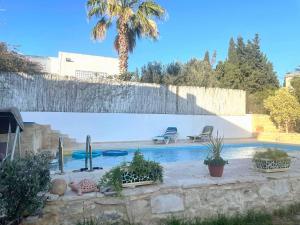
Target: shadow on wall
(111, 111)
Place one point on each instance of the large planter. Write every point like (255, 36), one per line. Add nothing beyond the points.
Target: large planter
(132, 180)
(215, 171)
(271, 166)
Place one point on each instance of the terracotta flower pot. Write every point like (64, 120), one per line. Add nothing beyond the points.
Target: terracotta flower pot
(215, 171)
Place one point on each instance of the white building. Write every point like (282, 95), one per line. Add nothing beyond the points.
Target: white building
(289, 77)
(78, 65)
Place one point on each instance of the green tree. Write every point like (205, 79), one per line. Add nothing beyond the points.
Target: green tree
(247, 67)
(255, 101)
(130, 76)
(284, 109)
(171, 73)
(11, 61)
(232, 52)
(207, 58)
(152, 73)
(213, 58)
(134, 19)
(295, 83)
(196, 73)
(229, 75)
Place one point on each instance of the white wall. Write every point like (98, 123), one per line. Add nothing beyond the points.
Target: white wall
(87, 63)
(131, 127)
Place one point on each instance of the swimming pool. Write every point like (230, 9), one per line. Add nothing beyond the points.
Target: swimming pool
(169, 154)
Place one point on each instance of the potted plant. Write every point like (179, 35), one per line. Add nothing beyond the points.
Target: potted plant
(136, 173)
(214, 160)
(272, 160)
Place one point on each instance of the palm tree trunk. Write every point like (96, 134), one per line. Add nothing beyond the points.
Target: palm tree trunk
(123, 48)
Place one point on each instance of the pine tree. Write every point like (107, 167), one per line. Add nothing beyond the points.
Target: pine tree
(232, 52)
(247, 67)
(213, 58)
(207, 58)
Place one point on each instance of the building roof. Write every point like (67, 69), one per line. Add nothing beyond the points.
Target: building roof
(10, 115)
(293, 74)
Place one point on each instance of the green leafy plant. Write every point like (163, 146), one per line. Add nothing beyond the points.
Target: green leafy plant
(23, 184)
(112, 178)
(271, 154)
(139, 167)
(284, 109)
(215, 147)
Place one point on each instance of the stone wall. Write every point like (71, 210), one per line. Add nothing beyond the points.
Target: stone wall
(187, 192)
(52, 93)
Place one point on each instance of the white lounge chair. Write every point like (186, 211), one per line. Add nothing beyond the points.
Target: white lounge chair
(204, 136)
(170, 135)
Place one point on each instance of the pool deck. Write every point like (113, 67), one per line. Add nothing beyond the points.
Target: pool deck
(189, 173)
(194, 174)
(150, 144)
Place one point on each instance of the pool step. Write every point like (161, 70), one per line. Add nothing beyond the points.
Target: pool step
(37, 137)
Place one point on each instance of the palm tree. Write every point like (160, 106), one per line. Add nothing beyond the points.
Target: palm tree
(134, 19)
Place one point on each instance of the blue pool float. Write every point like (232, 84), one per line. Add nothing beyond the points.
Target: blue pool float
(114, 153)
(81, 154)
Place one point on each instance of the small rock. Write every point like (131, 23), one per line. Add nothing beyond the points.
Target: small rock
(58, 187)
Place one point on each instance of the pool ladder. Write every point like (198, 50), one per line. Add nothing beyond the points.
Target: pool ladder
(60, 155)
(88, 153)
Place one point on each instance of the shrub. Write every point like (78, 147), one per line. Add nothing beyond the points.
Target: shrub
(255, 101)
(284, 109)
(215, 147)
(23, 183)
(11, 61)
(139, 168)
(271, 154)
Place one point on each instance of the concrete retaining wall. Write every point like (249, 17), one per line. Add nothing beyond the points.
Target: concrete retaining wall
(110, 127)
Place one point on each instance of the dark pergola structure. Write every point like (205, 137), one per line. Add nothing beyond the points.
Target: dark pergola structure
(11, 124)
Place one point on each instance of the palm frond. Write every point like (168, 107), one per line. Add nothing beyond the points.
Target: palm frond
(151, 9)
(96, 8)
(114, 8)
(99, 30)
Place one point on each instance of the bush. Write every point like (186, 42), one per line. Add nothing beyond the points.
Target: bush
(255, 101)
(271, 154)
(139, 169)
(23, 183)
(11, 61)
(284, 109)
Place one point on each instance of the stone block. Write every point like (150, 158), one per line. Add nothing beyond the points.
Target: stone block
(166, 203)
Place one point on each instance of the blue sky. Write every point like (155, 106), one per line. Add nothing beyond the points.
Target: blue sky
(44, 27)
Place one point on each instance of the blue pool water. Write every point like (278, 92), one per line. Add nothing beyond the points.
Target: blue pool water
(168, 154)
